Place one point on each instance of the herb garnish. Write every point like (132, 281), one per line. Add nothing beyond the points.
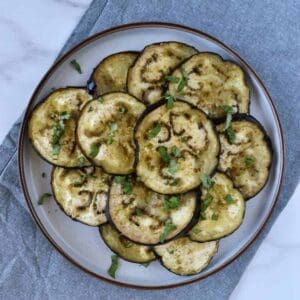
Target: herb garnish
(163, 152)
(154, 131)
(58, 131)
(114, 266)
(76, 66)
(170, 100)
(145, 264)
(176, 151)
(249, 161)
(228, 199)
(230, 133)
(122, 109)
(172, 79)
(215, 217)
(94, 150)
(172, 182)
(125, 183)
(171, 203)
(184, 79)
(207, 182)
(43, 197)
(170, 159)
(80, 161)
(172, 168)
(169, 226)
(91, 109)
(100, 99)
(113, 127)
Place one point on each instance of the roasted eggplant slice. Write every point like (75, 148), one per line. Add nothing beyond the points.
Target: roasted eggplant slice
(147, 77)
(81, 193)
(111, 73)
(247, 157)
(125, 248)
(208, 82)
(105, 131)
(52, 127)
(174, 164)
(222, 210)
(147, 217)
(185, 257)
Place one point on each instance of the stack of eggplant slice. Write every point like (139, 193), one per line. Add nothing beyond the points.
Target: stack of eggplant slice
(159, 151)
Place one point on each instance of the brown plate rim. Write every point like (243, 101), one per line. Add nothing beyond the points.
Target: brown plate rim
(61, 60)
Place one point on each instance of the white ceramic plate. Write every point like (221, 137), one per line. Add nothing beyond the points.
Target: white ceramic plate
(81, 244)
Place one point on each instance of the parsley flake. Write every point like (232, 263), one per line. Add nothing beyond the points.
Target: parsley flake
(207, 182)
(43, 197)
(228, 199)
(172, 79)
(125, 183)
(114, 266)
(215, 217)
(169, 226)
(76, 66)
(154, 131)
(171, 203)
(170, 100)
(249, 161)
(94, 150)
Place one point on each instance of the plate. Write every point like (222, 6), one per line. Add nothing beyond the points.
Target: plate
(81, 244)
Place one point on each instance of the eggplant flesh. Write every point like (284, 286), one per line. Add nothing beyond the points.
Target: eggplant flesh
(146, 78)
(248, 159)
(81, 193)
(105, 131)
(111, 73)
(125, 248)
(222, 210)
(185, 257)
(191, 134)
(56, 118)
(141, 216)
(211, 84)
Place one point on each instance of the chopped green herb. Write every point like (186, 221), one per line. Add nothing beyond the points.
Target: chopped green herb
(172, 168)
(163, 152)
(100, 99)
(169, 226)
(205, 203)
(145, 264)
(230, 133)
(229, 111)
(170, 100)
(138, 211)
(76, 66)
(94, 150)
(43, 174)
(113, 127)
(172, 79)
(114, 266)
(53, 115)
(173, 181)
(184, 79)
(122, 110)
(184, 139)
(43, 197)
(228, 199)
(207, 182)
(80, 161)
(176, 151)
(171, 203)
(249, 161)
(58, 131)
(91, 109)
(227, 108)
(154, 131)
(215, 217)
(125, 183)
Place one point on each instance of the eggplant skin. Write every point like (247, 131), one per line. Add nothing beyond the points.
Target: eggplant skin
(146, 77)
(252, 142)
(125, 248)
(212, 82)
(110, 75)
(200, 153)
(101, 125)
(45, 116)
(229, 215)
(185, 257)
(81, 193)
(140, 216)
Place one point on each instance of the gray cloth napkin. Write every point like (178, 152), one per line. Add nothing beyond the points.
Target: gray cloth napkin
(267, 35)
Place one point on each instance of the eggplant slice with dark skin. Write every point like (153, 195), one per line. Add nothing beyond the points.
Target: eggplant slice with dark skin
(211, 83)
(248, 158)
(174, 147)
(81, 193)
(111, 73)
(222, 210)
(52, 127)
(185, 257)
(146, 217)
(146, 78)
(125, 248)
(105, 131)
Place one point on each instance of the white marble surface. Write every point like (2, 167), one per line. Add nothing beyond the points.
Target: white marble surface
(32, 32)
